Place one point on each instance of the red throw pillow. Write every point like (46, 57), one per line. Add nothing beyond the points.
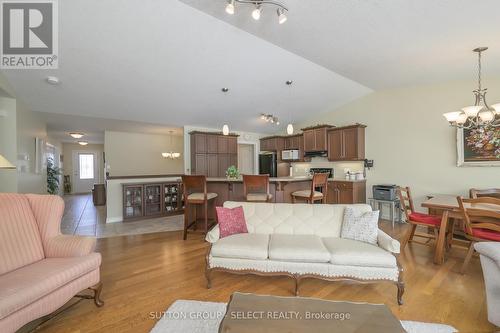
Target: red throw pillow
(231, 221)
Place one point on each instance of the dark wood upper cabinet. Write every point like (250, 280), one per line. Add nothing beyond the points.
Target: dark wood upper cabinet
(273, 143)
(292, 142)
(212, 144)
(346, 143)
(213, 153)
(315, 138)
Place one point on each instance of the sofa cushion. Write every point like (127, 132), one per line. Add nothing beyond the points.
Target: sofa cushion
(20, 242)
(27, 284)
(350, 252)
(243, 246)
(360, 226)
(301, 248)
(231, 221)
(294, 219)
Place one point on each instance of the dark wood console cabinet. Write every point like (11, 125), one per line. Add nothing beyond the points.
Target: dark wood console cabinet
(213, 153)
(152, 200)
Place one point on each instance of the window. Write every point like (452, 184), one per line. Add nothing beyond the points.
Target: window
(86, 166)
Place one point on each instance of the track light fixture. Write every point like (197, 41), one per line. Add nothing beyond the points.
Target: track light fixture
(269, 118)
(256, 13)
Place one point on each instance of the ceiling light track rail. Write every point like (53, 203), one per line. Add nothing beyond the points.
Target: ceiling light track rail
(264, 2)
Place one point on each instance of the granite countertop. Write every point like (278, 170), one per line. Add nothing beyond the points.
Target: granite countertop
(282, 179)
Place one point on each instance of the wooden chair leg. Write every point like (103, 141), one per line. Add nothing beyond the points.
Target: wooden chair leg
(467, 258)
(409, 236)
(436, 234)
(186, 221)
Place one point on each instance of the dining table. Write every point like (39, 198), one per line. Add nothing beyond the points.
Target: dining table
(448, 204)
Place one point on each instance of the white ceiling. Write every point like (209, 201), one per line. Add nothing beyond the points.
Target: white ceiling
(165, 62)
(60, 125)
(380, 43)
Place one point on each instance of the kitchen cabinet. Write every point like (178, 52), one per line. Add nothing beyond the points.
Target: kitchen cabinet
(346, 143)
(292, 142)
(213, 153)
(272, 143)
(346, 192)
(315, 138)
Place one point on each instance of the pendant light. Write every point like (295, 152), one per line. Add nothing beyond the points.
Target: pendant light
(289, 127)
(171, 154)
(225, 129)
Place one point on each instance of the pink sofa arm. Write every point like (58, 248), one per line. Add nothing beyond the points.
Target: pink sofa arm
(69, 246)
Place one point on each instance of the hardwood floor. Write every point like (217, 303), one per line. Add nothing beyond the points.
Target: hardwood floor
(147, 273)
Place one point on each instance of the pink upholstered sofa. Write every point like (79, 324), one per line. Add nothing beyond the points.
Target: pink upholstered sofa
(40, 269)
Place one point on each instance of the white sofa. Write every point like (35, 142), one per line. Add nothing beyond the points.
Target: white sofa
(302, 241)
(490, 261)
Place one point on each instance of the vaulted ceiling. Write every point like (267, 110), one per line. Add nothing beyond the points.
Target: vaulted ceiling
(165, 62)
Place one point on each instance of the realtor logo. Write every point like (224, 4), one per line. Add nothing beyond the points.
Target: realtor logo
(29, 34)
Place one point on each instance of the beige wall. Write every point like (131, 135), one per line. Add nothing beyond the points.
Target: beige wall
(8, 144)
(134, 154)
(410, 140)
(67, 152)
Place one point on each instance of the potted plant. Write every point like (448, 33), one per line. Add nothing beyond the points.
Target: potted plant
(53, 174)
(232, 172)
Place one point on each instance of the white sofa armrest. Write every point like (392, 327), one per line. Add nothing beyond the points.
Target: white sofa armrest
(213, 235)
(387, 242)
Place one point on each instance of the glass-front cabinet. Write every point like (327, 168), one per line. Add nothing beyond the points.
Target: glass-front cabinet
(152, 200)
(132, 202)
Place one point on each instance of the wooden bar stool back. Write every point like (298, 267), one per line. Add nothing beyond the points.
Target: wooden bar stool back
(319, 181)
(256, 188)
(481, 225)
(430, 222)
(195, 194)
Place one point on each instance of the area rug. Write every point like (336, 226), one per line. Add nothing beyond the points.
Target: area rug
(204, 317)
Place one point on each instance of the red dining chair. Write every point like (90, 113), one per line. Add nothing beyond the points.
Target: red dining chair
(431, 223)
(481, 222)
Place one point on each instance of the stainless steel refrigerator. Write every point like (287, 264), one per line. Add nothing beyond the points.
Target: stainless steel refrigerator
(268, 164)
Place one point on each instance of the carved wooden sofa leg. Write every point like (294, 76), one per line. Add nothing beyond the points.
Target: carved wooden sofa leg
(401, 290)
(296, 278)
(97, 289)
(209, 279)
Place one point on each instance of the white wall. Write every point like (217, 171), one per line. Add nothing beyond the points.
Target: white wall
(243, 138)
(410, 140)
(138, 154)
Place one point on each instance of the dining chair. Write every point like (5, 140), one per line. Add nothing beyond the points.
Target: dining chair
(431, 223)
(480, 224)
(319, 181)
(195, 194)
(256, 188)
(475, 193)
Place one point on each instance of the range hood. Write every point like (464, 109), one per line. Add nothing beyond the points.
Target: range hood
(320, 153)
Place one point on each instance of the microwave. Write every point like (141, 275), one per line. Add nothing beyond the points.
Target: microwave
(289, 155)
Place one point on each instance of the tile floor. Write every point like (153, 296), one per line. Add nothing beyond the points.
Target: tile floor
(81, 217)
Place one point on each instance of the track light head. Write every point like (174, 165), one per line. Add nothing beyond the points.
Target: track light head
(230, 7)
(256, 12)
(281, 16)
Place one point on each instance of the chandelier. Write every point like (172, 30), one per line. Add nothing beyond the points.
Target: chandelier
(480, 114)
(171, 154)
(269, 118)
(281, 10)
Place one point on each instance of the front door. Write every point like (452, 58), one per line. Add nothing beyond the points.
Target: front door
(85, 171)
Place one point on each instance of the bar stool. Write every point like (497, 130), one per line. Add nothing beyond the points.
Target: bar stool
(256, 188)
(195, 193)
(319, 180)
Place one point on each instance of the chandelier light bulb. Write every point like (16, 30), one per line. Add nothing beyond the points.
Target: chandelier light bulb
(496, 107)
(462, 118)
(472, 111)
(256, 13)
(452, 116)
(225, 129)
(230, 7)
(281, 16)
(487, 115)
(289, 129)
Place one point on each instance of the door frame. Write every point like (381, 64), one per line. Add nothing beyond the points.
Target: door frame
(97, 169)
(256, 151)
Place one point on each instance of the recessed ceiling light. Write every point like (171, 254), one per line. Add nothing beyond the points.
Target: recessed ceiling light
(83, 143)
(53, 80)
(225, 89)
(76, 135)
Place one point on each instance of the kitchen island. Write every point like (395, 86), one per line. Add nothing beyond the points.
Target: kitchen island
(339, 190)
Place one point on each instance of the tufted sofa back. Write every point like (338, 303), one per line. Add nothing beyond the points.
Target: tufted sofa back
(296, 219)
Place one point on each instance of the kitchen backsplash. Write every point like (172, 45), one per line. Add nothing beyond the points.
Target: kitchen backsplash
(302, 168)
